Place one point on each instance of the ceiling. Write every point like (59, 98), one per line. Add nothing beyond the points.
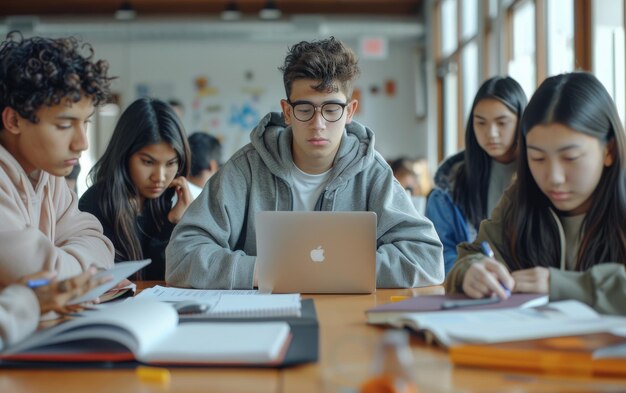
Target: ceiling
(200, 20)
(194, 7)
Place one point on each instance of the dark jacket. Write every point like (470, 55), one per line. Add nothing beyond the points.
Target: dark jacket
(153, 241)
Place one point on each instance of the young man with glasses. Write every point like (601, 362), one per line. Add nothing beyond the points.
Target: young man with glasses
(313, 156)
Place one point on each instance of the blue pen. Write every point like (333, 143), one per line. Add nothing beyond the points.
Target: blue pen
(37, 283)
(486, 249)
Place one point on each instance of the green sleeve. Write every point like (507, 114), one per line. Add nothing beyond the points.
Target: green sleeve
(603, 287)
(490, 230)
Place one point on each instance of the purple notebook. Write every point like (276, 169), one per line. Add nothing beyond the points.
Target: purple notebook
(386, 312)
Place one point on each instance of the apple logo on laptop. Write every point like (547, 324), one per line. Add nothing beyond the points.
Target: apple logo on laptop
(317, 254)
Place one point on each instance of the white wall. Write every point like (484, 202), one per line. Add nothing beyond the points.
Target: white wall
(169, 68)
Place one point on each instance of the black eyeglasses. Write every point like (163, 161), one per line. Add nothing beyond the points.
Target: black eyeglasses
(304, 110)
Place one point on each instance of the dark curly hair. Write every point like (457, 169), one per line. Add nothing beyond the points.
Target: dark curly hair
(328, 61)
(41, 71)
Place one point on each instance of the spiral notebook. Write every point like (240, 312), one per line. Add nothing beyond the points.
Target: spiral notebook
(229, 304)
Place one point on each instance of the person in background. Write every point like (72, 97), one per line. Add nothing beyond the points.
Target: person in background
(72, 177)
(49, 91)
(312, 157)
(144, 165)
(561, 228)
(425, 179)
(470, 183)
(206, 156)
(402, 169)
(21, 306)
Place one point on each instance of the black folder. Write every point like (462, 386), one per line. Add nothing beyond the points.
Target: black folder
(304, 346)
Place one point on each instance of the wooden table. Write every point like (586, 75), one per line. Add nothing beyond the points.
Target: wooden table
(347, 344)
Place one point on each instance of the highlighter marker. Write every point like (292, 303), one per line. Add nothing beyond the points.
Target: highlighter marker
(486, 249)
(153, 374)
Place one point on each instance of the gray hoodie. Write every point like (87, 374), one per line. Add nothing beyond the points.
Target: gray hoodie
(214, 245)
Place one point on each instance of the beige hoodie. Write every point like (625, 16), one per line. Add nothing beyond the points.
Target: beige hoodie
(41, 228)
(19, 314)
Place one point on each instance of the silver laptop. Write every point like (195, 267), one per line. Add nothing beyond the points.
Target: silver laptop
(316, 252)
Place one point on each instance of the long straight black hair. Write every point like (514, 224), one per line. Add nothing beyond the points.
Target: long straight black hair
(145, 122)
(578, 101)
(472, 178)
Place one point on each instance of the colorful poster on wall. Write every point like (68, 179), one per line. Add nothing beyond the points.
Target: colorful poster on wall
(229, 114)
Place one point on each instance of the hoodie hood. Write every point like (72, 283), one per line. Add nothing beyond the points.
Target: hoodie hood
(446, 173)
(16, 174)
(272, 139)
(31, 196)
(42, 228)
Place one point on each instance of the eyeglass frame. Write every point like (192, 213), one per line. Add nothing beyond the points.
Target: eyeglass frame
(343, 106)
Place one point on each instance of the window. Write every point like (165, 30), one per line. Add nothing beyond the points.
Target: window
(449, 38)
(450, 108)
(470, 64)
(560, 31)
(608, 49)
(522, 66)
(469, 22)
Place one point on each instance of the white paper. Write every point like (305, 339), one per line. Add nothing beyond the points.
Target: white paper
(209, 296)
(228, 303)
(562, 318)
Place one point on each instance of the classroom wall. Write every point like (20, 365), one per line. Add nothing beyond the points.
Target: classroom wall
(243, 83)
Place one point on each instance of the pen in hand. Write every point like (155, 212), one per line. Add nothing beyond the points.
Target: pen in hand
(36, 283)
(487, 251)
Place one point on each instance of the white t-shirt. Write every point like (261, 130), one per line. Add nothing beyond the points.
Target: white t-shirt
(307, 188)
(195, 190)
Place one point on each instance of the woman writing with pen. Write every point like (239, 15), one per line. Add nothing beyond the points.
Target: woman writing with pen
(561, 229)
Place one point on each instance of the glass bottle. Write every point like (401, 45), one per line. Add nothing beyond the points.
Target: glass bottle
(393, 365)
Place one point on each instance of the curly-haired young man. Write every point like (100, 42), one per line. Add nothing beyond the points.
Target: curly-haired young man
(313, 156)
(48, 93)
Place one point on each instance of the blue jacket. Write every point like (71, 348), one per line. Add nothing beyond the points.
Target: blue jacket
(450, 223)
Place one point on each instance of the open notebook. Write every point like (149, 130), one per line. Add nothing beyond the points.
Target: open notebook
(563, 318)
(228, 303)
(148, 331)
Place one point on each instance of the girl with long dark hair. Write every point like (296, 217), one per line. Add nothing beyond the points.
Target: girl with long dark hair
(561, 229)
(135, 180)
(470, 183)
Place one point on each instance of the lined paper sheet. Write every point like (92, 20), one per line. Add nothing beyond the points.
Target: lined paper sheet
(168, 294)
(229, 303)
